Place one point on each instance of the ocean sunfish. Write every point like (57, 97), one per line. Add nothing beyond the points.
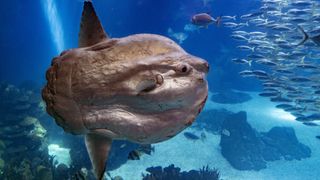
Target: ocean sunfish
(143, 88)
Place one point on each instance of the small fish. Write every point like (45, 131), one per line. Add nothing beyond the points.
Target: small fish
(304, 100)
(123, 146)
(242, 33)
(266, 62)
(281, 28)
(280, 99)
(256, 56)
(81, 174)
(142, 149)
(298, 12)
(299, 79)
(235, 25)
(228, 17)
(260, 73)
(246, 48)
(246, 73)
(251, 15)
(301, 3)
(134, 155)
(239, 37)
(241, 61)
(146, 148)
(191, 136)
(204, 20)
(270, 84)
(284, 106)
(225, 132)
(310, 124)
(203, 136)
(284, 71)
(269, 94)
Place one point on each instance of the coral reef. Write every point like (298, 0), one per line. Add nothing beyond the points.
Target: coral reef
(173, 173)
(247, 149)
(23, 138)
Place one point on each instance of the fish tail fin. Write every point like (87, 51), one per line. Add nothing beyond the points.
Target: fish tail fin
(252, 49)
(247, 24)
(234, 17)
(305, 36)
(250, 63)
(218, 20)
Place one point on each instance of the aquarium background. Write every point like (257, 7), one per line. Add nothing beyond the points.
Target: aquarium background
(33, 32)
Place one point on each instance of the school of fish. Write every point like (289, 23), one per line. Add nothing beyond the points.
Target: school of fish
(280, 44)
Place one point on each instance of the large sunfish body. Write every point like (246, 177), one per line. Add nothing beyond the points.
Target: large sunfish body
(143, 88)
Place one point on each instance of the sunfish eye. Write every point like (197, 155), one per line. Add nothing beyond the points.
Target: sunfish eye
(183, 68)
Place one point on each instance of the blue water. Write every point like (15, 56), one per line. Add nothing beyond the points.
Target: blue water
(33, 32)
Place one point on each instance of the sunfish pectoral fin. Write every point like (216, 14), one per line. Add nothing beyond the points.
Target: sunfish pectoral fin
(91, 30)
(98, 148)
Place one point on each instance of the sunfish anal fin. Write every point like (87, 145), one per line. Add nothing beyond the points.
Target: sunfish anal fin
(98, 148)
(91, 30)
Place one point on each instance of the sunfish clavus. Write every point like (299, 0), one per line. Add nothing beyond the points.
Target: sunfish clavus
(143, 88)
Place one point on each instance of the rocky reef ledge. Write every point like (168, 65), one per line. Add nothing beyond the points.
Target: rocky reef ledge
(247, 149)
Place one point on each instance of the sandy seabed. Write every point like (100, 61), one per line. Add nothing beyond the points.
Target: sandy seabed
(261, 115)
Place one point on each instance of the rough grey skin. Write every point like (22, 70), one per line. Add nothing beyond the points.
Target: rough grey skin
(143, 88)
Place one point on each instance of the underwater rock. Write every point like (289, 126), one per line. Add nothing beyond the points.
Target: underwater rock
(2, 145)
(27, 121)
(173, 173)
(61, 172)
(77, 149)
(242, 148)
(230, 97)
(2, 163)
(247, 149)
(120, 150)
(22, 136)
(18, 149)
(44, 173)
(285, 142)
(211, 120)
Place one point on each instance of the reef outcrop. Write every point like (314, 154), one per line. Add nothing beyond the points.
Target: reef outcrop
(174, 173)
(247, 149)
(23, 145)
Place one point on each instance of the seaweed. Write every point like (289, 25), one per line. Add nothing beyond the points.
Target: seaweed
(173, 173)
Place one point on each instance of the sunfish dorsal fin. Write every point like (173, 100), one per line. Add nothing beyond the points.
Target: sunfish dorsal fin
(91, 30)
(98, 148)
